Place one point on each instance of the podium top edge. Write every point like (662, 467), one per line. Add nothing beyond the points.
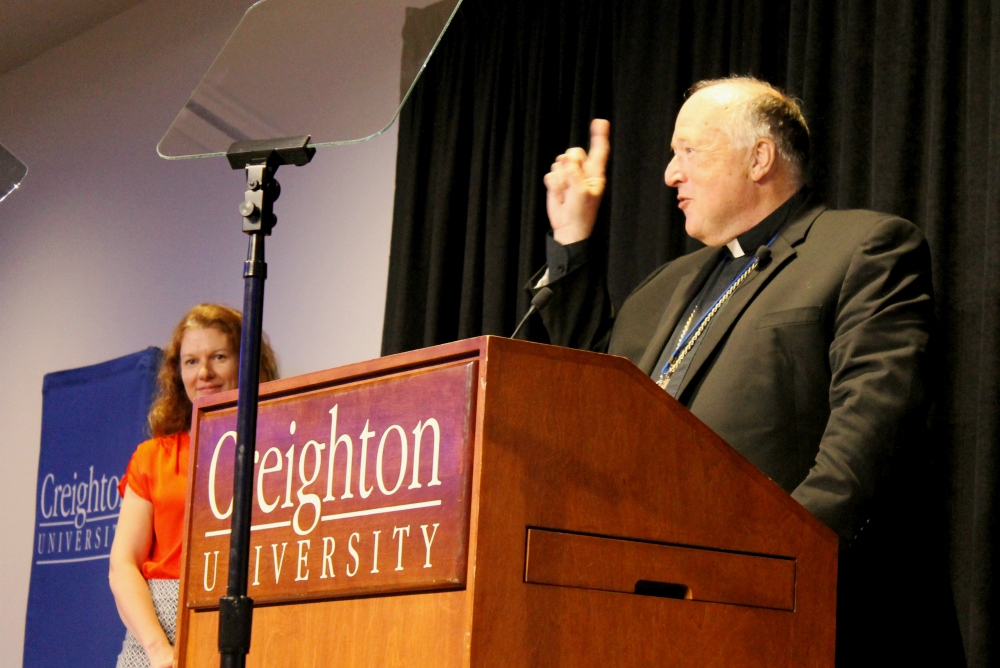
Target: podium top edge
(475, 348)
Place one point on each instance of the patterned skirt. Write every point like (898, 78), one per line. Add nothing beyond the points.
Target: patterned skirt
(165, 601)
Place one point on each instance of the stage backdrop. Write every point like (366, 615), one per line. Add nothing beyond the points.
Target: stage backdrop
(92, 419)
(903, 100)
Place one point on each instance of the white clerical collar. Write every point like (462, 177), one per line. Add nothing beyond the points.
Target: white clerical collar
(735, 248)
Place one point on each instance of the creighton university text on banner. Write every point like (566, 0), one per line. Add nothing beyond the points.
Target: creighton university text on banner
(92, 419)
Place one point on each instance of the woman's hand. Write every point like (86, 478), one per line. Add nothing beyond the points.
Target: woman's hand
(133, 538)
(161, 656)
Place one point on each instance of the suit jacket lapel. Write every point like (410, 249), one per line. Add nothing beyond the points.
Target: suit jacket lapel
(687, 287)
(782, 251)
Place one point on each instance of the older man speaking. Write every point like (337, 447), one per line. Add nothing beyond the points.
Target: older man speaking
(799, 334)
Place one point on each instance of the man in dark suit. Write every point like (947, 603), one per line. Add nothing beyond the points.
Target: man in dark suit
(799, 334)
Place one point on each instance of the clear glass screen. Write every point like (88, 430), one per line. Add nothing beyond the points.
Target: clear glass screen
(310, 67)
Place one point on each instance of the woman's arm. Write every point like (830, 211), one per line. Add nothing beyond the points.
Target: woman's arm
(133, 538)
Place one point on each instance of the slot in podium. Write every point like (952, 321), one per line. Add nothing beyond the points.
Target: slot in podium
(499, 503)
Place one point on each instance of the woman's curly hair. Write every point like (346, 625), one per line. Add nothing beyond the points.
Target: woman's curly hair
(171, 411)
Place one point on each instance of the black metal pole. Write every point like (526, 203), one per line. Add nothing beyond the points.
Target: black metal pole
(236, 609)
(261, 160)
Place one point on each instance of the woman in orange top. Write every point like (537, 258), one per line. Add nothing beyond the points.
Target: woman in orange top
(201, 359)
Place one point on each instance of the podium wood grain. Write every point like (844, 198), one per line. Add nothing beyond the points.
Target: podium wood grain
(586, 449)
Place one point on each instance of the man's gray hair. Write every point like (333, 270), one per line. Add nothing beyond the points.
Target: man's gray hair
(765, 111)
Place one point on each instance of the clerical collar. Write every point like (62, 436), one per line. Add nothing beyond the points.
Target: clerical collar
(764, 231)
(735, 249)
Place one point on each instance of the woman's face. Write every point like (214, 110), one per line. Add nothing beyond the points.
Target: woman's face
(208, 364)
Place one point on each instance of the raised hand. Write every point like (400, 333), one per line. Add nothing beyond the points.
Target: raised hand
(575, 186)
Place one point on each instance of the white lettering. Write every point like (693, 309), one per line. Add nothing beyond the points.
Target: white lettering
(104, 482)
(41, 498)
(261, 472)
(349, 465)
(329, 545)
(308, 499)
(303, 560)
(428, 542)
(400, 531)
(290, 456)
(256, 565)
(402, 460)
(278, 562)
(418, 433)
(93, 498)
(211, 478)
(80, 507)
(114, 499)
(67, 493)
(365, 435)
(375, 557)
(215, 571)
(354, 554)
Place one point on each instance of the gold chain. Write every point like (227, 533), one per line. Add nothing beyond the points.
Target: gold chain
(675, 361)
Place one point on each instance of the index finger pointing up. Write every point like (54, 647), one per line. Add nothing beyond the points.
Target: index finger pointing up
(600, 145)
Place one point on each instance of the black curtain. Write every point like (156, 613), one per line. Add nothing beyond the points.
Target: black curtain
(903, 100)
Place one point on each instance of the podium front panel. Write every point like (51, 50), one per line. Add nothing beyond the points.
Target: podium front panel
(359, 489)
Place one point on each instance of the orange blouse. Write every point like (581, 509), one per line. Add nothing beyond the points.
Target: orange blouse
(158, 473)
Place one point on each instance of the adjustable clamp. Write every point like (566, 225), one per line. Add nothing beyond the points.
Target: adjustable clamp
(261, 159)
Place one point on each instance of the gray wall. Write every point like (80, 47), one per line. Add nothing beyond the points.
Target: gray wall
(106, 245)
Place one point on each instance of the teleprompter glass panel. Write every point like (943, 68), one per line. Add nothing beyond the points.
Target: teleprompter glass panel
(310, 67)
(12, 172)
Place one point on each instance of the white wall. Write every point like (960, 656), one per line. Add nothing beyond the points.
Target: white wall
(106, 245)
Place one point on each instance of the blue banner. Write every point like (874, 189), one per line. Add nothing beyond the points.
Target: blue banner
(92, 419)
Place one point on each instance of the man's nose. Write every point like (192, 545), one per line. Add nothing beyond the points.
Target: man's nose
(672, 175)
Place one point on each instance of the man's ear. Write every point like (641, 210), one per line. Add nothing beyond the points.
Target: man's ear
(763, 158)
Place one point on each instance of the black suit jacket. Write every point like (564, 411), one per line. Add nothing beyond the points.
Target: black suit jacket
(814, 370)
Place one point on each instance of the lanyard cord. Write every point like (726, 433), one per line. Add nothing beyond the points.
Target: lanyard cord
(689, 338)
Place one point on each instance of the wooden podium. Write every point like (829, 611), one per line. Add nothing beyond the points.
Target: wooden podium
(499, 503)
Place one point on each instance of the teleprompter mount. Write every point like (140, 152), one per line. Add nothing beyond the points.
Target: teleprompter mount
(268, 61)
(260, 159)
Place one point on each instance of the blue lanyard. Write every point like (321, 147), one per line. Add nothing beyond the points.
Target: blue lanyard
(687, 337)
